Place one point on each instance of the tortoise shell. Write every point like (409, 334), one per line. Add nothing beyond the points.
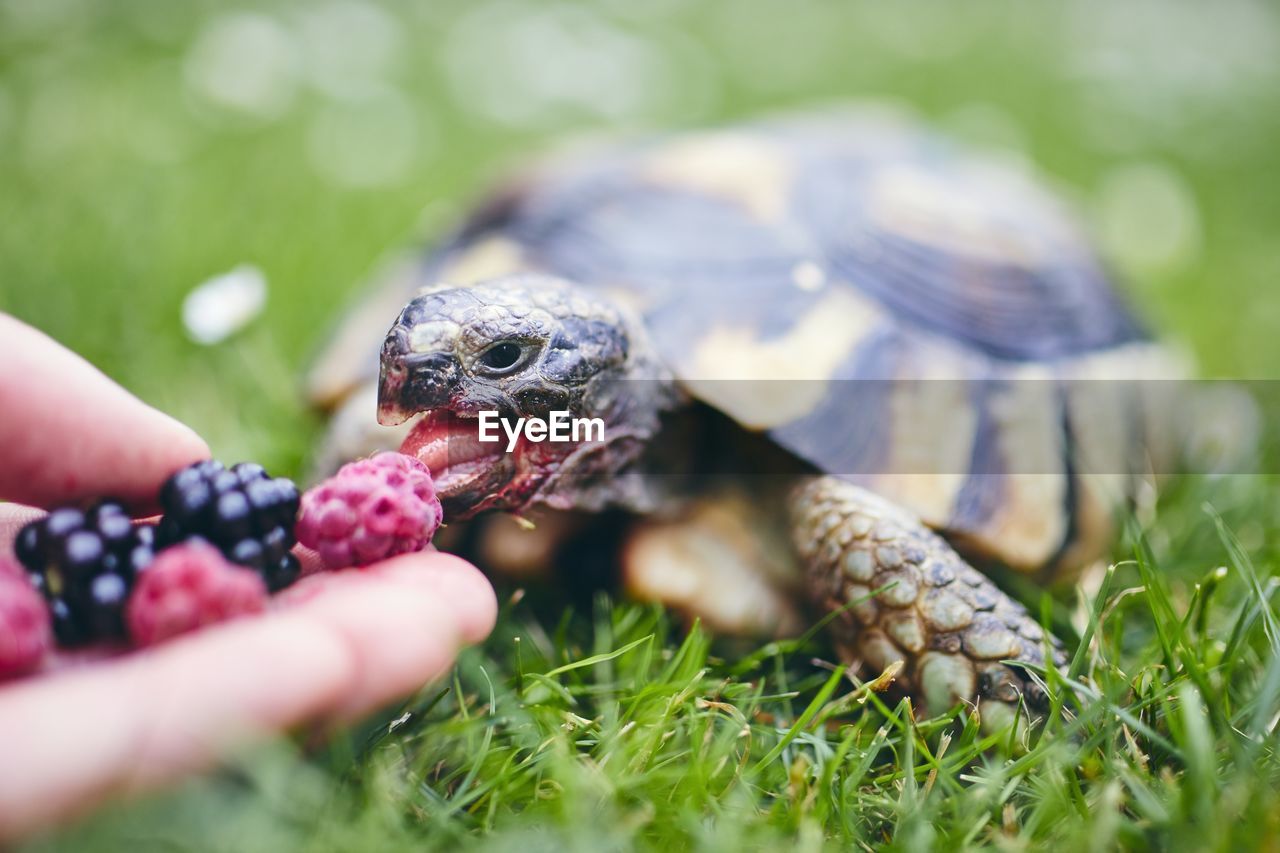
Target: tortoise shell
(888, 307)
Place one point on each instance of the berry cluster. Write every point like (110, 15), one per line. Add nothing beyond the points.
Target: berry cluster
(85, 564)
(88, 563)
(223, 544)
(370, 510)
(247, 515)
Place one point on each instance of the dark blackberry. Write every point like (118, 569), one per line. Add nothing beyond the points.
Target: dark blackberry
(243, 512)
(84, 564)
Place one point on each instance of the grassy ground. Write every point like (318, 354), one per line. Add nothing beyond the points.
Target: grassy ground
(145, 146)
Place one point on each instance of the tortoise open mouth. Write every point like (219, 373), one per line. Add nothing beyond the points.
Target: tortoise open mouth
(471, 475)
(449, 444)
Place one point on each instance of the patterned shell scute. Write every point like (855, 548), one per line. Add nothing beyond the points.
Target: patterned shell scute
(755, 227)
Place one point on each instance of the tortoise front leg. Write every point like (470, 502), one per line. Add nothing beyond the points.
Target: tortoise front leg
(946, 621)
(722, 560)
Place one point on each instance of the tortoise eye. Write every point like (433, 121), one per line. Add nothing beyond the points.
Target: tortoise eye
(502, 356)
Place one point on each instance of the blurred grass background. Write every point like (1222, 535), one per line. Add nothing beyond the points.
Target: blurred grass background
(147, 145)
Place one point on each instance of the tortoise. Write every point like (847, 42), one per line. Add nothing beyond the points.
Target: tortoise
(838, 359)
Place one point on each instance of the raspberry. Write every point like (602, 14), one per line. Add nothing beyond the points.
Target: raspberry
(369, 510)
(25, 632)
(189, 586)
(247, 515)
(85, 564)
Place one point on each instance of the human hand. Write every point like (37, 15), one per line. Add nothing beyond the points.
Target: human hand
(334, 647)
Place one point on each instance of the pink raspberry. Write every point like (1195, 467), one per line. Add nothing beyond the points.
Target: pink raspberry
(26, 632)
(369, 510)
(187, 587)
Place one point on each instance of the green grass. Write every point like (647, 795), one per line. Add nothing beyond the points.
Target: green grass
(124, 182)
(613, 728)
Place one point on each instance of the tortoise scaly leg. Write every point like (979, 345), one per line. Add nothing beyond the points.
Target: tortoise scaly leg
(946, 621)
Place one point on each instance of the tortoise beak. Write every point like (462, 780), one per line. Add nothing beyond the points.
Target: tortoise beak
(432, 385)
(413, 382)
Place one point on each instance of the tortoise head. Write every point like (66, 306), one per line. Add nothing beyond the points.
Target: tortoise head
(483, 366)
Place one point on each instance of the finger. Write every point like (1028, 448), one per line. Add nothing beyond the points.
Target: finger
(450, 579)
(309, 558)
(133, 722)
(69, 433)
(404, 618)
(445, 576)
(341, 645)
(12, 519)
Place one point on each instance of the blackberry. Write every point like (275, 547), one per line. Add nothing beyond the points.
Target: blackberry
(246, 514)
(85, 563)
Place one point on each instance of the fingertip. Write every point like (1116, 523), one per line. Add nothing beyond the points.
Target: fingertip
(448, 578)
(180, 448)
(399, 641)
(404, 620)
(13, 517)
(462, 586)
(183, 445)
(71, 433)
